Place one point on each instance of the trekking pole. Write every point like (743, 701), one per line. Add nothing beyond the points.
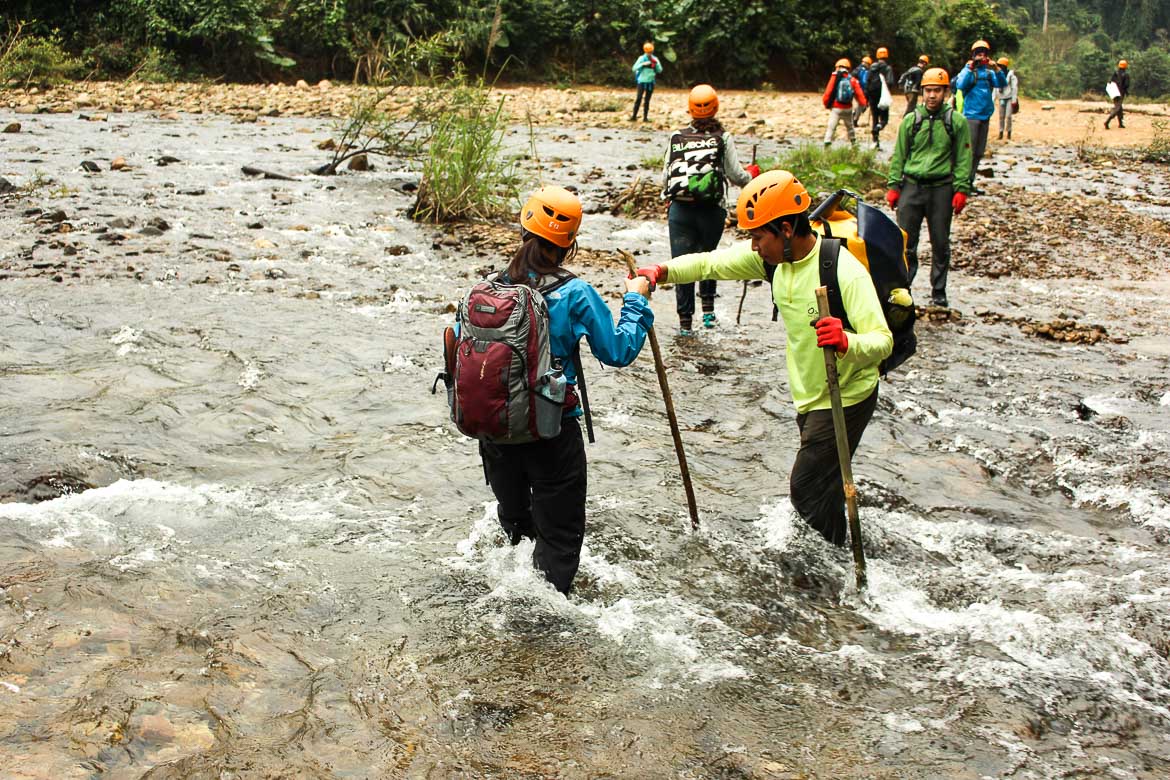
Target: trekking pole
(666, 398)
(843, 449)
(743, 297)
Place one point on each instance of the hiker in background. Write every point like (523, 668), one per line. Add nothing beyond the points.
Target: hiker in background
(840, 93)
(880, 73)
(977, 81)
(1008, 97)
(1119, 92)
(699, 161)
(911, 80)
(774, 209)
(861, 73)
(929, 177)
(540, 484)
(646, 70)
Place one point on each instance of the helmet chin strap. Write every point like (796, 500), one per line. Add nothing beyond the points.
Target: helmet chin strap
(786, 243)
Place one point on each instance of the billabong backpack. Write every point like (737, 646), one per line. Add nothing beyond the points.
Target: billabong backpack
(503, 385)
(844, 90)
(694, 172)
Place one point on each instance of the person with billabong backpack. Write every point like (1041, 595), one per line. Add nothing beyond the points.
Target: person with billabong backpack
(1008, 97)
(879, 90)
(513, 374)
(929, 179)
(977, 81)
(840, 93)
(775, 208)
(700, 159)
(646, 70)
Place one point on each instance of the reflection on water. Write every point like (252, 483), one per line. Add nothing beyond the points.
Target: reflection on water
(274, 557)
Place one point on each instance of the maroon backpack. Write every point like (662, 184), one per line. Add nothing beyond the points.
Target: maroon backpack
(503, 384)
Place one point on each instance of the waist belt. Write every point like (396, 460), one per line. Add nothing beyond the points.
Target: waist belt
(930, 181)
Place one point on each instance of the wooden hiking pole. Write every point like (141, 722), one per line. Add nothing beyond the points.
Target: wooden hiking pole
(843, 448)
(743, 297)
(666, 398)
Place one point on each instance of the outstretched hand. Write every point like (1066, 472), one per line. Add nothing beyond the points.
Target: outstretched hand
(640, 285)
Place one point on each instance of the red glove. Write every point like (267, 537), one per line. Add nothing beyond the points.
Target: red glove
(753, 169)
(959, 202)
(655, 274)
(831, 333)
(892, 196)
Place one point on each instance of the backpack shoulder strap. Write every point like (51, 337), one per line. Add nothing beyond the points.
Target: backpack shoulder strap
(830, 252)
(560, 279)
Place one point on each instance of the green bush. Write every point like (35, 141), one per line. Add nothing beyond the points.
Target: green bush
(36, 59)
(465, 174)
(826, 170)
(1150, 72)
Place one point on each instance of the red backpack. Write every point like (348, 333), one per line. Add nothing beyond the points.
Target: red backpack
(503, 384)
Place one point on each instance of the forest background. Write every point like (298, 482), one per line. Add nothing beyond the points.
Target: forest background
(732, 43)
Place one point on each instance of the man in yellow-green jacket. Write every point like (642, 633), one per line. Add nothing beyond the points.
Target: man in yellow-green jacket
(774, 209)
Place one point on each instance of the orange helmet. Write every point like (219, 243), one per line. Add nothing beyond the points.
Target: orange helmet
(1004, 61)
(867, 60)
(981, 45)
(1123, 64)
(883, 53)
(936, 77)
(924, 58)
(553, 213)
(647, 47)
(769, 196)
(703, 102)
(843, 63)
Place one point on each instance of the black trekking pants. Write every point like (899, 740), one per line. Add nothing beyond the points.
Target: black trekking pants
(541, 489)
(932, 203)
(647, 90)
(816, 489)
(979, 129)
(881, 118)
(1118, 112)
(694, 227)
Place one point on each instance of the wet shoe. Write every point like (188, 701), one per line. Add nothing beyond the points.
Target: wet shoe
(708, 319)
(939, 302)
(685, 332)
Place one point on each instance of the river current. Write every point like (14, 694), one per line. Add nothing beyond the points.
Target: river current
(240, 537)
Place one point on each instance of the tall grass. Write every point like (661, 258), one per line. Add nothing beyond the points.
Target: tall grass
(829, 169)
(465, 175)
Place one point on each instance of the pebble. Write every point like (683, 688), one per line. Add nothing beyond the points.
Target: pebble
(91, 166)
(359, 163)
(12, 127)
(263, 243)
(119, 164)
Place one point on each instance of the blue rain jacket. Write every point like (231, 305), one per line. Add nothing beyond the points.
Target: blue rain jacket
(575, 309)
(977, 87)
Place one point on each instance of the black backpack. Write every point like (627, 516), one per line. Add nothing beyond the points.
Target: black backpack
(694, 169)
(885, 247)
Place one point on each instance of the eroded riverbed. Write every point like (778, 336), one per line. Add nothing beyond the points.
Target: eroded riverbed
(273, 556)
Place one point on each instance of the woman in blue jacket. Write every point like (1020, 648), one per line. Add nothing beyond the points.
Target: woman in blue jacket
(540, 485)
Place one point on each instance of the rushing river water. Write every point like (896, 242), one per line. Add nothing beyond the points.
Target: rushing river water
(270, 555)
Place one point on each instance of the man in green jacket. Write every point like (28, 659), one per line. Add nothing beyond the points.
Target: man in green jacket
(930, 176)
(774, 209)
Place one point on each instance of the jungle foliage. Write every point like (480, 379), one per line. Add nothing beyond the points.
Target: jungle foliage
(741, 43)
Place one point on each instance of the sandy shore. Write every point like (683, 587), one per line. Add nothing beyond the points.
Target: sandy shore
(791, 116)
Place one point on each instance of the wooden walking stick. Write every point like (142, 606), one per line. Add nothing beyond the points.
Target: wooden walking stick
(843, 448)
(743, 297)
(666, 398)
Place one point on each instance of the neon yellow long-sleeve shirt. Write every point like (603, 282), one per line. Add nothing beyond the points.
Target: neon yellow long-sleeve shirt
(794, 292)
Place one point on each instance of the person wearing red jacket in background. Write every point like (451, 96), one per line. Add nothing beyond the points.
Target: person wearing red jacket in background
(840, 93)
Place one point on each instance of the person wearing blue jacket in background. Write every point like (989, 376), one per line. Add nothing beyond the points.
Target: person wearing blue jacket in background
(540, 485)
(646, 70)
(861, 73)
(977, 82)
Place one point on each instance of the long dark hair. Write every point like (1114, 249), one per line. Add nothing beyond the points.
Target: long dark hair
(537, 256)
(709, 125)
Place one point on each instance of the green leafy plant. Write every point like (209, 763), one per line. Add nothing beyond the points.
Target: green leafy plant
(34, 59)
(828, 170)
(465, 174)
(1158, 150)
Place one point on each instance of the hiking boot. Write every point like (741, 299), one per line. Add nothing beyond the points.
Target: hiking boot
(1120, 126)
(685, 327)
(1107, 125)
(940, 301)
(877, 146)
(708, 319)
(685, 332)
